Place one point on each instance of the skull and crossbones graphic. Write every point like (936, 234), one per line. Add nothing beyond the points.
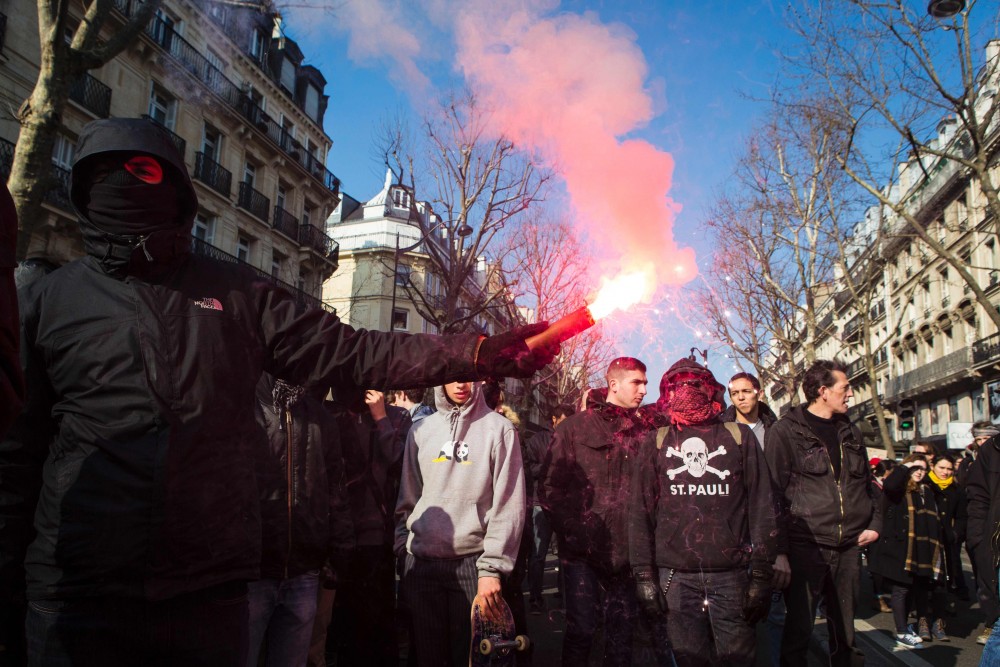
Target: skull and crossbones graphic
(694, 452)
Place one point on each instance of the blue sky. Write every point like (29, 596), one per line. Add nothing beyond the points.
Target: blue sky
(705, 60)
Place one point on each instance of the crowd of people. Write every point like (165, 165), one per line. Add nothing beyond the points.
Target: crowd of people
(196, 471)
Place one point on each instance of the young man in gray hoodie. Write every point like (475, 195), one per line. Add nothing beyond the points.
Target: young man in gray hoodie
(459, 518)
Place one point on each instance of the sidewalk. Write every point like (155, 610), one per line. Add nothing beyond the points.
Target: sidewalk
(874, 632)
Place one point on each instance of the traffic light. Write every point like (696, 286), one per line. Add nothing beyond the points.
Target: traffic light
(905, 414)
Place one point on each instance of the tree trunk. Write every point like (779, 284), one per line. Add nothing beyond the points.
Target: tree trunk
(31, 174)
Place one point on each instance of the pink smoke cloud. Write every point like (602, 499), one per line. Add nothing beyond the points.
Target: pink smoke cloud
(568, 88)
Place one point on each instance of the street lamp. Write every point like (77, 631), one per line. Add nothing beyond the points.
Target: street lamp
(462, 231)
(945, 9)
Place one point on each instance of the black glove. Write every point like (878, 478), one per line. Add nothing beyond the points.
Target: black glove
(757, 601)
(507, 355)
(647, 589)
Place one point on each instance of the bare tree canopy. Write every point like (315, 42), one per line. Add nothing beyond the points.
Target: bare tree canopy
(546, 267)
(478, 186)
(918, 96)
(103, 32)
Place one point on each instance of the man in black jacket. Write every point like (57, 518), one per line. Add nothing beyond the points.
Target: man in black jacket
(701, 526)
(584, 488)
(305, 519)
(820, 468)
(535, 451)
(141, 362)
(982, 487)
(374, 438)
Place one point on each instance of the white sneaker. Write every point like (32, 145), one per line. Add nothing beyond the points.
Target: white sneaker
(909, 640)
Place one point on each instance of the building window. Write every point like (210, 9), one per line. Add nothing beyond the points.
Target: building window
(204, 228)
(276, 261)
(953, 409)
(258, 45)
(403, 275)
(211, 143)
(312, 103)
(163, 28)
(400, 320)
(303, 281)
(401, 198)
(62, 151)
(978, 406)
(307, 212)
(243, 248)
(288, 75)
(250, 174)
(162, 107)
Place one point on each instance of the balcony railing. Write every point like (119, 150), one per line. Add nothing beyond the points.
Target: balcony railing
(212, 174)
(253, 201)
(304, 299)
(57, 195)
(852, 327)
(856, 368)
(938, 372)
(286, 223)
(986, 350)
(92, 95)
(188, 57)
(319, 242)
(179, 143)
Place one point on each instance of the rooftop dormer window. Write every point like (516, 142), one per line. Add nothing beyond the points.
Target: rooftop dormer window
(401, 198)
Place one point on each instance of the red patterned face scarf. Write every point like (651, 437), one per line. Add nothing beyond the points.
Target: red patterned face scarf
(692, 405)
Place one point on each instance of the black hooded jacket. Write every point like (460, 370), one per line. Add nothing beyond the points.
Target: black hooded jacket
(305, 514)
(138, 433)
(585, 482)
(702, 500)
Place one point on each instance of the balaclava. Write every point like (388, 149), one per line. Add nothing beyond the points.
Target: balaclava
(690, 404)
(136, 196)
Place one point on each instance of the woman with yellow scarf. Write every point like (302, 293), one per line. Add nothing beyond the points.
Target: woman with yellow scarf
(951, 501)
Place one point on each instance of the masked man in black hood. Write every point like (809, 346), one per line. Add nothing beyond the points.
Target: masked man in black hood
(701, 525)
(134, 451)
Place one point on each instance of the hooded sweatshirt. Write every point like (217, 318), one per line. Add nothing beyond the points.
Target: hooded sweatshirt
(462, 489)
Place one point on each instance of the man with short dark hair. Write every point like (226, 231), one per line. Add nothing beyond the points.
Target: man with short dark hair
(459, 518)
(535, 450)
(820, 469)
(747, 408)
(412, 400)
(585, 485)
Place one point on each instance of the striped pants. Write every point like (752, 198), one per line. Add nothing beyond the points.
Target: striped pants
(439, 594)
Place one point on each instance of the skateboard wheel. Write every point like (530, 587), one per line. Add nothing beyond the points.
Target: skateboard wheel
(521, 642)
(486, 647)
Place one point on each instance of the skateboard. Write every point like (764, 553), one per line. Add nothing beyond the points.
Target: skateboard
(494, 643)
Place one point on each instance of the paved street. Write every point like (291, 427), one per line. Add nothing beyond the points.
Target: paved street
(874, 631)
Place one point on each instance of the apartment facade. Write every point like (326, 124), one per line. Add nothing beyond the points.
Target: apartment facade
(934, 347)
(370, 235)
(246, 113)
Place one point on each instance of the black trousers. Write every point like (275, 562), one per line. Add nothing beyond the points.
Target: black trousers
(830, 574)
(362, 626)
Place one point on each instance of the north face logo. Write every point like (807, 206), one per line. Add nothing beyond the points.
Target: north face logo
(209, 303)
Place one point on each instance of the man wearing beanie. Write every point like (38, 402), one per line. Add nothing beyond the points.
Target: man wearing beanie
(702, 525)
(129, 514)
(824, 484)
